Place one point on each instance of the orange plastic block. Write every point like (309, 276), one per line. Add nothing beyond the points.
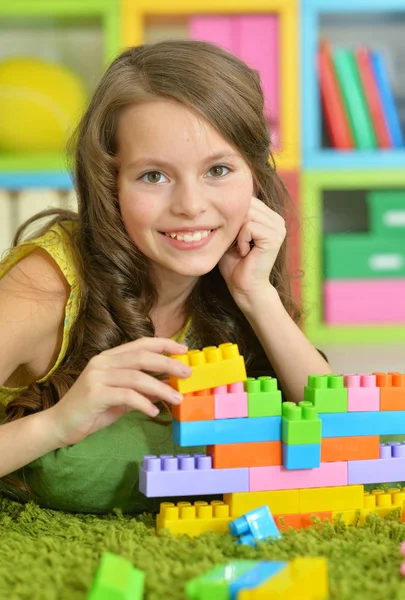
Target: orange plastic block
(211, 367)
(392, 390)
(365, 447)
(193, 519)
(198, 406)
(300, 521)
(253, 454)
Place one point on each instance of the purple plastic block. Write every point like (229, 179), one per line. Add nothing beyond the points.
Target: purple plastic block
(186, 475)
(389, 467)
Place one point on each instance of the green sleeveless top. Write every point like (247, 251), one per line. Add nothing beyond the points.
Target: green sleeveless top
(99, 473)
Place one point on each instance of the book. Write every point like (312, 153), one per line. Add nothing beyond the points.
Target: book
(354, 99)
(333, 107)
(387, 98)
(373, 98)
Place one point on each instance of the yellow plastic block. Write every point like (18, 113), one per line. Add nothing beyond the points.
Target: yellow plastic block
(339, 498)
(302, 579)
(211, 367)
(377, 502)
(193, 519)
(134, 21)
(349, 517)
(284, 502)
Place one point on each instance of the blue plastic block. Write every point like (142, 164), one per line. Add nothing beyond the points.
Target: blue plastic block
(301, 456)
(262, 572)
(255, 526)
(226, 431)
(363, 423)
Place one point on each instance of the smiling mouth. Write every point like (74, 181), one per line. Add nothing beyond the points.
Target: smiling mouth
(189, 236)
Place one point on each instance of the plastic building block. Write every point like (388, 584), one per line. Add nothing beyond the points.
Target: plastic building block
(279, 478)
(332, 498)
(186, 475)
(264, 397)
(255, 526)
(116, 579)
(359, 447)
(225, 582)
(227, 431)
(378, 502)
(301, 521)
(392, 391)
(327, 394)
(193, 519)
(389, 467)
(301, 456)
(300, 424)
(253, 454)
(363, 393)
(196, 406)
(279, 502)
(211, 367)
(230, 401)
(303, 578)
(363, 423)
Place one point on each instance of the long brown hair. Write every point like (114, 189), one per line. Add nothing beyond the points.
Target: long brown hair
(116, 292)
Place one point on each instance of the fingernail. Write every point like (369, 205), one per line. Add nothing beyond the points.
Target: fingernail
(186, 371)
(177, 397)
(154, 411)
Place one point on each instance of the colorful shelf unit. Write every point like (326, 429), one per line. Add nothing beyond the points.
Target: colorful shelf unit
(43, 170)
(243, 27)
(344, 294)
(313, 14)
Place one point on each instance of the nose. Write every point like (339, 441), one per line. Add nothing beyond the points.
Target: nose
(189, 200)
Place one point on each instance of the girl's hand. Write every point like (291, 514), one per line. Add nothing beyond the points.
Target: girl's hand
(246, 267)
(113, 383)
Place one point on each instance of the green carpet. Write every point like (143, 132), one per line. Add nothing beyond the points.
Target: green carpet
(51, 555)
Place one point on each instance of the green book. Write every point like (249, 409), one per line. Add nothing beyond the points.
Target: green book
(354, 99)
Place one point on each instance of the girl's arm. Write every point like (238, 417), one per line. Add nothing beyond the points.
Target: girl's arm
(290, 353)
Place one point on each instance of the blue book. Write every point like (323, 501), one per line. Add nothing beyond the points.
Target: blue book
(387, 99)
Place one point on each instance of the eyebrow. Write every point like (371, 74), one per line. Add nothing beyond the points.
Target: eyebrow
(164, 164)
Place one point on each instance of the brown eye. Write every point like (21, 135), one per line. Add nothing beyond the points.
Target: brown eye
(153, 176)
(218, 171)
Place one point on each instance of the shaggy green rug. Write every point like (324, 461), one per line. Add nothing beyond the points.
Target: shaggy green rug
(51, 555)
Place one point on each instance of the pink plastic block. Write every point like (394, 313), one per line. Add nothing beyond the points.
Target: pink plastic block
(263, 479)
(364, 302)
(186, 475)
(363, 393)
(388, 468)
(230, 401)
(259, 48)
(217, 30)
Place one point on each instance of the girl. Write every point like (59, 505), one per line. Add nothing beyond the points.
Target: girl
(179, 242)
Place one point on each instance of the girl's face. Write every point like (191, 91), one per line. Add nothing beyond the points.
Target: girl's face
(184, 192)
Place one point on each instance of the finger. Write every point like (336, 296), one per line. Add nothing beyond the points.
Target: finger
(244, 239)
(142, 383)
(153, 344)
(143, 361)
(132, 400)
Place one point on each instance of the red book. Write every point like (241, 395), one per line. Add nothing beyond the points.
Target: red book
(336, 118)
(373, 98)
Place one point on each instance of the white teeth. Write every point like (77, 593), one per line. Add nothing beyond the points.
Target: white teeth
(197, 236)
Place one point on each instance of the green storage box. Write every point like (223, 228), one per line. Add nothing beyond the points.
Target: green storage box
(387, 212)
(363, 256)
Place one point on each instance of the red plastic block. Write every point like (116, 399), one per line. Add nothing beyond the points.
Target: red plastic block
(230, 401)
(300, 521)
(198, 406)
(337, 449)
(253, 454)
(279, 478)
(392, 391)
(363, 393)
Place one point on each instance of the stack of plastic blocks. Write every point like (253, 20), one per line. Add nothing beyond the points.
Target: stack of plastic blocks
(117, 579)
(301, 579)
(319, 453)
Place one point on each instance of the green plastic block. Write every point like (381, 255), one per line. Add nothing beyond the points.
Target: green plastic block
(264, 397)
(117, 579)
(214, 585)
(362, 256)
(387, 212)
(300, 424)
(327, 393)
